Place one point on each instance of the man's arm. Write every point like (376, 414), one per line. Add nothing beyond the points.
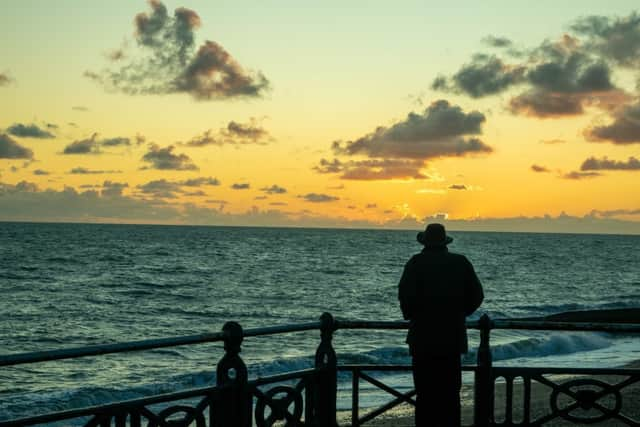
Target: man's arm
(407, 290)
(474, 295)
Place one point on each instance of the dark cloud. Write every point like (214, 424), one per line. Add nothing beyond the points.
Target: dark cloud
(161, 188)
(318, 198)
(261, 198)
(85, 171)
(80, 108)
(580, 175)
(196, 193)
(458, 187)
(5, 80)
(197, 182)
(29, 131)
(164, 159)
(51, 126)
(10, 149)
(500, 42)
(561, 78)
(616, 39)
(485, 75)
(40, 172)
(240, 186)
(168, 61)
(234, 133)
(277, 204)
(538, 168)
(439, 132)
(113, 189)
(625, 128)
(593, 164)
(115, 142)
(83, 146)
(374, 169)
(274, 189)
(371, 206)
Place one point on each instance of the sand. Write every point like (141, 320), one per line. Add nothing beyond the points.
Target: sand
(402, 416)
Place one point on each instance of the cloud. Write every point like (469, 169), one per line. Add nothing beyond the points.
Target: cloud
(113, 189)
(613, 212)
(560, 79)
(278, 204)
(80, 108)
(438, 132)
(84, 171)
(167, 61)
(29, 131)
(83, 146)
(5, 80)
(593, 164)
(485, 75)
(261, 198)
(538, 168)
(500, 42)
(371, 206)
(318, 198)
(197, 182)
(240, 186)
(115, 142)
(371, 170)
(10, 149)
(274, 189)
(234, 133)
(165, 159)
(161, 188)
(625, 128)
(458, 187)
(576, 175)
(616, 39)
(40, 172)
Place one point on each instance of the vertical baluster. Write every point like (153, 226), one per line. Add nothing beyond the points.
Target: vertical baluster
(135, 419)
(233, 404)
(326, 375)
(308, 400)
(483, 392)
(508, 410)
(527, 401)
(355, 397)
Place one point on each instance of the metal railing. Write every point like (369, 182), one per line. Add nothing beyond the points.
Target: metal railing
(308, 397)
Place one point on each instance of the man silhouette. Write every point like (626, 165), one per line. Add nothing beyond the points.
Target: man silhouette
(438, 289)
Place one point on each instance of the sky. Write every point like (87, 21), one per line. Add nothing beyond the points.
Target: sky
(498, 115)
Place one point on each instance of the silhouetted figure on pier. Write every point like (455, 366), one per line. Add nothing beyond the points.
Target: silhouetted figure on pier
(438, 289)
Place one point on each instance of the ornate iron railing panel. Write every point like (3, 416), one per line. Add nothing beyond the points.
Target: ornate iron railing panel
(308, 398)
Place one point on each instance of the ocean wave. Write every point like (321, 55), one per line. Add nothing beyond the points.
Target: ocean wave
(20, 404)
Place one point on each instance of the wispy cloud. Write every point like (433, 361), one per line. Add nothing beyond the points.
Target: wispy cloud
(593, 164)
(235, 133)
(240, 186)
(274, 189)
(576, 175)
(538, 168)
(5, 79)
(85, 171)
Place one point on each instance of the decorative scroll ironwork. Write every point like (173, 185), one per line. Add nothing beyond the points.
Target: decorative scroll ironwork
(230, 403)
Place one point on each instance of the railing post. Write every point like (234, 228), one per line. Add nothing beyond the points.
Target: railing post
(326, 376)
(483, 393)
(233, 405)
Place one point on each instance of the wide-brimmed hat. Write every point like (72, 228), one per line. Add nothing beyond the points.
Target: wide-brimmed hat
(434, 235)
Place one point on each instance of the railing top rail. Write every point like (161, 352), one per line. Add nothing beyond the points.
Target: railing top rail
(101, 349)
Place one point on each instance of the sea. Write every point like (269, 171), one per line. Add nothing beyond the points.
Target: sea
(70, 285)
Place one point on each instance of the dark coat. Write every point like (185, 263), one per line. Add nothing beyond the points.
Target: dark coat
(438, 289)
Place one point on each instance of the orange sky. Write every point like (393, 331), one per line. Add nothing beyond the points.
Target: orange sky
(196, 113)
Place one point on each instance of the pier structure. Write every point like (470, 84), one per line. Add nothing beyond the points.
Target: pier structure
(308, 397)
